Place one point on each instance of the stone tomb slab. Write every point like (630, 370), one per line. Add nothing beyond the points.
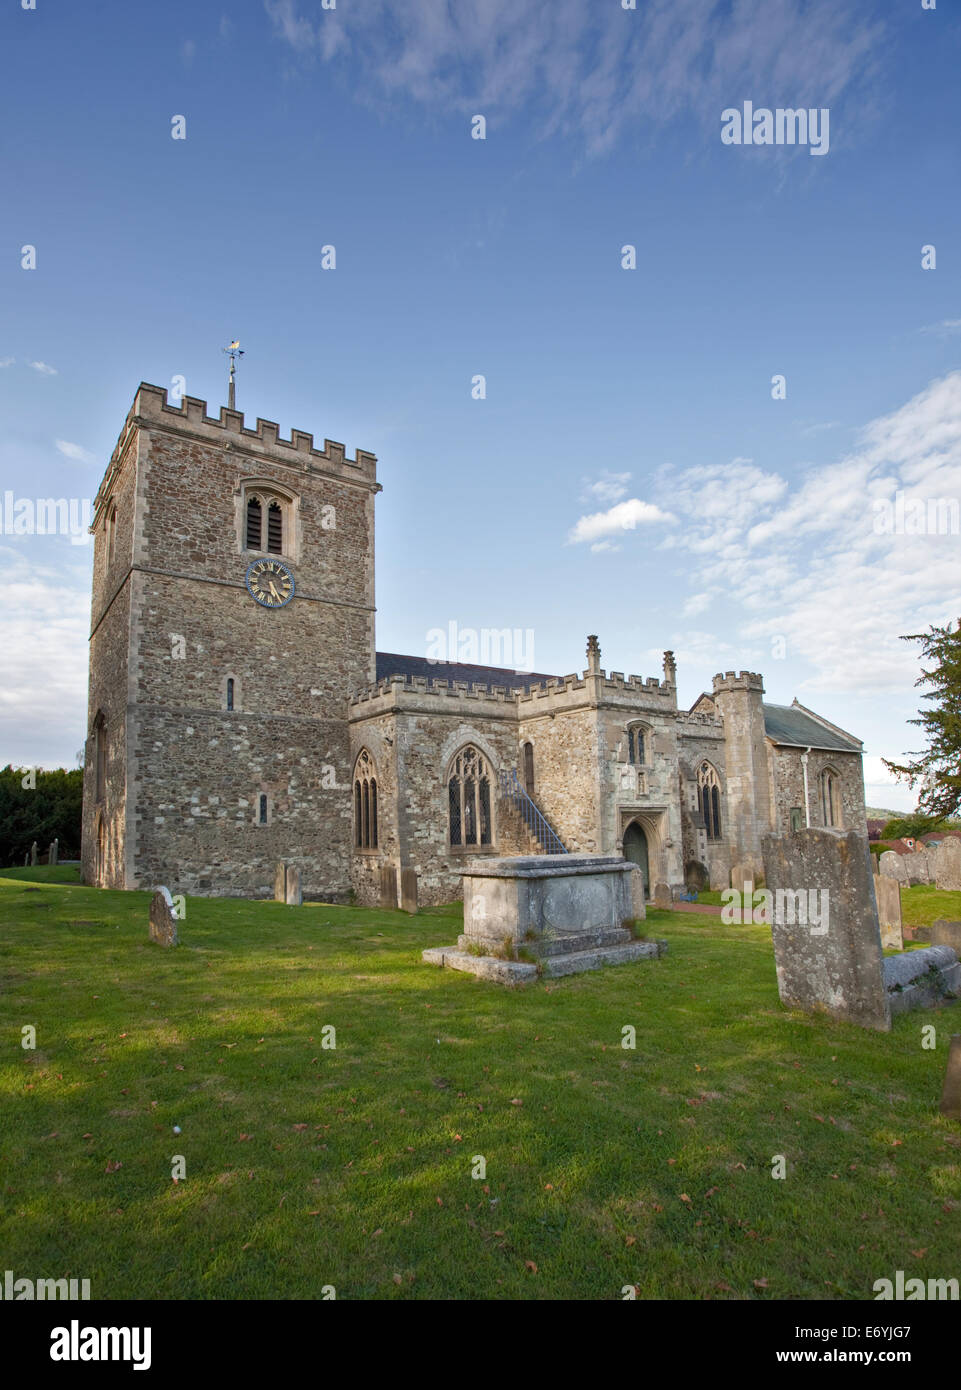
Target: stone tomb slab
(565, 913)
(922, 979)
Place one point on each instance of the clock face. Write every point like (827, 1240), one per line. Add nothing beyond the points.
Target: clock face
(270, 582)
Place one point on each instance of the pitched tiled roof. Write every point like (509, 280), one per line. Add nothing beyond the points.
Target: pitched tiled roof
(392, 664)
(790, 726)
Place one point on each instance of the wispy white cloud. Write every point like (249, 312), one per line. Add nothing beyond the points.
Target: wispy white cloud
(75, 451)
(609, 487)
(809, 563)
(596, 70)
(624, 516)
(7, 361)
(944, 329)
(44, 368)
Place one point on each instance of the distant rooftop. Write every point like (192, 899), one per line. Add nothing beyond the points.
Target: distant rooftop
(393, 664)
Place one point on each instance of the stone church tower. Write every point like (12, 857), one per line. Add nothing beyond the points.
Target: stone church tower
(232, 617)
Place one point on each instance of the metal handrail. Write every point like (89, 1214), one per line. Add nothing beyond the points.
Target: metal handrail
(543, 832)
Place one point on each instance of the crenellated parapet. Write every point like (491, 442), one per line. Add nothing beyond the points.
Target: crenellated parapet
(738, 680)
(152, 409)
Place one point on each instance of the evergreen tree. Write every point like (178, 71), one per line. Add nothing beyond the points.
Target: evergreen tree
(936, 770)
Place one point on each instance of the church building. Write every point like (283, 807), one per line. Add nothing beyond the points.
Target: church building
(240, 715)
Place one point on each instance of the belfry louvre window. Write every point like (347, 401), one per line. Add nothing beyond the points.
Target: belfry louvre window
(254, 523)
(469, 799)
(709, 799)
(265, 523)
(365, 802)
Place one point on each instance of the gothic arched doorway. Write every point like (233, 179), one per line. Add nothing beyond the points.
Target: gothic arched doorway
(635, 849)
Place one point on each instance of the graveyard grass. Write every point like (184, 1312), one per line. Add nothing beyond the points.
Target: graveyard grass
(351, 1167)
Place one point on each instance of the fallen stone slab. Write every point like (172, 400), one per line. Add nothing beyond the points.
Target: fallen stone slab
(922, 979)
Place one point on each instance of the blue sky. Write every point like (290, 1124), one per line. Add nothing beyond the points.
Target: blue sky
(752, 536)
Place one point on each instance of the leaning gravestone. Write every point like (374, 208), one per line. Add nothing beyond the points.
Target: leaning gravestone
(294, 897)
(947, 864)
(52, 852)
(280, 882)
(888, 894)
(891, 865)
(33, 853)
(830, 960)
(951, 1094)
(408, 890)
(163, 923)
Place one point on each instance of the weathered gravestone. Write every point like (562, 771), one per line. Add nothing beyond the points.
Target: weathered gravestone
(951, 1094)
(388, 886)
(638, 905)
(33, 853)
(916, 868)
(294, 895)
(947, 864)
(827, 939)
(830, 960)
(163, 923)
(942, 933)
(26, 859)
(891, 865)
(280, 882)
(662, 895)
(52, 852)
(696, 876)
(408, 890)
(888, 894)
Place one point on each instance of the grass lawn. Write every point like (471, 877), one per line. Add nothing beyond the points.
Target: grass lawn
(352, 1167)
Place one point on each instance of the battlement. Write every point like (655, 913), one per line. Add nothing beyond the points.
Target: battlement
(739, 680)
(227, 429)
(696, 723)
(396, 686)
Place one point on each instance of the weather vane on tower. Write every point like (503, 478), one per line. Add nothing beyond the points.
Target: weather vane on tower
(233, 352)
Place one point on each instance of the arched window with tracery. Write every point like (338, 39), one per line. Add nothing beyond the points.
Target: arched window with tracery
(709, 799)
(365, 802)
(830, 797)
(469, 799)
(637, 744)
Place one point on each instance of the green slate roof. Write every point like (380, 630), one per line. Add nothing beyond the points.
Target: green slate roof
(788, 725)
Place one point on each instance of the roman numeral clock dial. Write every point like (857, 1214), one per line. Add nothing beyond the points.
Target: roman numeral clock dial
(270, 583)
